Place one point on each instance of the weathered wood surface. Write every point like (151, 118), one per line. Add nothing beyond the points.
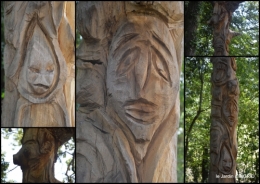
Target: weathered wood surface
(225, 93)
(38, 154)
(39, 62)
(128, 89)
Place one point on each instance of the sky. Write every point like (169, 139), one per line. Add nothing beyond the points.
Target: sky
(16, 174)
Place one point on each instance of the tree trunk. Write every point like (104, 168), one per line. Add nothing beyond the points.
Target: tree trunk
(191, 24)
(205, 165)
(39, 153)
(39, 64)
(129, 67)
(224, 104)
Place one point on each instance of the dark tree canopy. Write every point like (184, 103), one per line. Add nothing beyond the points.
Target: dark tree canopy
(198, 34)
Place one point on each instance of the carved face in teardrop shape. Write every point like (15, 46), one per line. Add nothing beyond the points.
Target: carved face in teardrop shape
(37, 76)
(230, 111)
(221, 70)
(226, 160)
(40, 71)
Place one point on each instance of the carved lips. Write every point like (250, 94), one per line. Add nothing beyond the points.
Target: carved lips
(140, 111)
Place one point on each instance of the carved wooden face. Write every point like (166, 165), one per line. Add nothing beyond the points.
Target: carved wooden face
(230, 111)
(226, 160)
(35, 155)
(40, 71)
(142, 75)
(222, 70)
(28, 155)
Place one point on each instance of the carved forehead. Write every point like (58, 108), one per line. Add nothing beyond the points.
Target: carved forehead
(145, 26)
(39, 48)
(44, 56)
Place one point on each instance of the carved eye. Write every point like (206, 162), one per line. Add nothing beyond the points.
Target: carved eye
(50, 68)
(26, 152)
(34, 70)
(128, 61)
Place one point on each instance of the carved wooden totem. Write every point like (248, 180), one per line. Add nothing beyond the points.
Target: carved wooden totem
(39, 64)
(222, 35)
(128, 90)
(224, 104)
(39, 153)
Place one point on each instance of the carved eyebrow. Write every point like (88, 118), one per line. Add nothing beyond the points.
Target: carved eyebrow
(124, 39)
(160, 42)
(123, 68)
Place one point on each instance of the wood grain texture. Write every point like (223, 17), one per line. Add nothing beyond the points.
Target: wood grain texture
(38, 154)
(39, 64)
(225, 93)
(128, 89)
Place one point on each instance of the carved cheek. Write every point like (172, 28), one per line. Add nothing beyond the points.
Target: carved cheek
(229, 163)
(49, 78)
(32, 76)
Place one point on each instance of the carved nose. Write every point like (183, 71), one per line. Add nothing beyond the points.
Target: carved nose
(229, 165)
(41, 79)
(16, 159)
(141, 73)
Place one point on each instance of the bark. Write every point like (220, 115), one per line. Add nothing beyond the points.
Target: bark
(191, 24)
(39, 64)
(204, 165)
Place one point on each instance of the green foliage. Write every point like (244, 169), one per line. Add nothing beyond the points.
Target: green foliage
(180, 144)
(67, 151)
(248, 120)
(244, 20)
(16, 132)
(4, 167)
(203, 40)
(197, 104)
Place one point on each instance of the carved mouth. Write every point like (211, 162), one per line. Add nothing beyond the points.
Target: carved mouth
(42, 86)
(227, 168)
(141, 111)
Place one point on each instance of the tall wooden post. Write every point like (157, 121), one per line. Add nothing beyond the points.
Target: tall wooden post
(39, 64)
(225, 91)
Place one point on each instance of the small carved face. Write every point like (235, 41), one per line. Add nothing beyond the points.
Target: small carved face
(221, 70)
(40, 72)
(28, 155)
(233, 87)
(226, 160)
(214, 138)
(230, 111)
(142, 75)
